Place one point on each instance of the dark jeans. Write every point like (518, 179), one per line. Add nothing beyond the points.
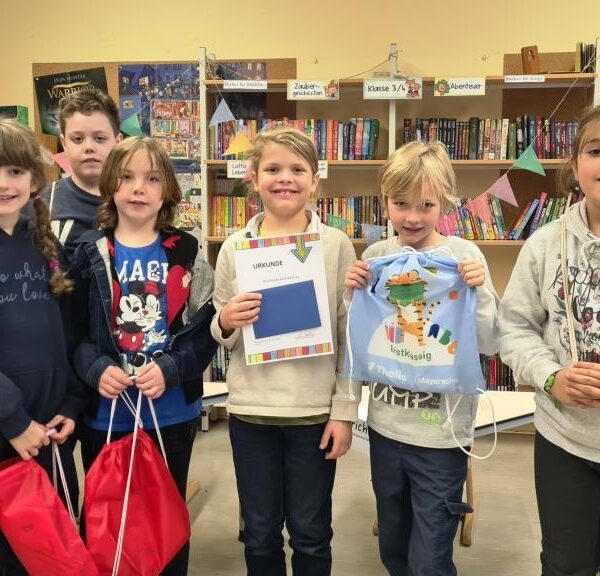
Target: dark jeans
(178, 441)
(419, 504)
(9, 564)
(282, 476)
(568, 497)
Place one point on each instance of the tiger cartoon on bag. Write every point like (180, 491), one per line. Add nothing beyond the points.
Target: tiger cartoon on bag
(407, 290)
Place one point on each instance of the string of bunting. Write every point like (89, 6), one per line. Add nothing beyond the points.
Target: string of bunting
(501, 188)
(240, 142)
(370, 232)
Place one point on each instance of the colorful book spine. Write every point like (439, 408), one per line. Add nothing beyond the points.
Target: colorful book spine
(538, 213)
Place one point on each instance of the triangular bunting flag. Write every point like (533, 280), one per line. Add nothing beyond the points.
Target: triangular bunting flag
(337, 222)
(372, 232)
(502, 189)
(529, 161)
(479, 207)
(441, 226)
(239, 144)
(131, 126)
(222, 114)
(452, 218)
(63, 161)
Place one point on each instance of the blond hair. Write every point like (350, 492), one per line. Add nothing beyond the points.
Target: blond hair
(566, 176)
(298, 142)
(18, 147)
(413, 166)
(110, 180)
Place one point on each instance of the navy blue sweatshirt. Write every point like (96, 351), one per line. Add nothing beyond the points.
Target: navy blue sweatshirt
(72, 212)
(36, 379)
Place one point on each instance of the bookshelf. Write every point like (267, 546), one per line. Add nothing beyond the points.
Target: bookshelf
(503, 99)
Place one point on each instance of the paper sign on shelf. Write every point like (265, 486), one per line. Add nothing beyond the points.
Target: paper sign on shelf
(289, 272)
(445, 86)
(323, 169)
(244, 84)
(524, 78)
(393, 88)
(313, 89)
(237, 168)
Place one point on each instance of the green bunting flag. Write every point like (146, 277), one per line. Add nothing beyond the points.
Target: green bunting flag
(337, 222)
(529, 161)
(131, 126)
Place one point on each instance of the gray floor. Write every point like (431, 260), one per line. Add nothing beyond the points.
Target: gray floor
(506, 534)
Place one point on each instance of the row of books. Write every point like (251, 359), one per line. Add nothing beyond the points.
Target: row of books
(535, 213)
(497, 375)
(349, 212)
(462, 223)
(495, 138)
(230, 213)
(219, 364)
(539, 211)
(585, 53)
(355, 139)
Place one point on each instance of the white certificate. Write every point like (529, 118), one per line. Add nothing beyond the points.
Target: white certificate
(289, 272)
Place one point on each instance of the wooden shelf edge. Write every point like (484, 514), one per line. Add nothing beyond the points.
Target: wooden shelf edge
(361, 241)
(550, 164)
(514, 243)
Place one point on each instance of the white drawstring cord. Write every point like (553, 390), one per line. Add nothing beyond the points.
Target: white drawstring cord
(137, 426)
(57, 463)
(157, 430)
(130, 405)
(451, 424)
(120, 538)
(566, 290)
(349, 344)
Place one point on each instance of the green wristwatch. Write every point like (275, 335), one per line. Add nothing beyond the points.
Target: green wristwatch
(549, 383)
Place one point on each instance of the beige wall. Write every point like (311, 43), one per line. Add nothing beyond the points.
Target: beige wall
(329, 38)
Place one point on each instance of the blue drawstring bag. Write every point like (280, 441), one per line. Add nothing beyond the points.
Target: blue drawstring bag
(414, 326)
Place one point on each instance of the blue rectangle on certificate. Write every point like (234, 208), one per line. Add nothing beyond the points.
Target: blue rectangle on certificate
(288, 308)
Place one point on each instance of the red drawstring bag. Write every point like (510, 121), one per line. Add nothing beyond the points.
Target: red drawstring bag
(142, 537)
(36, 523)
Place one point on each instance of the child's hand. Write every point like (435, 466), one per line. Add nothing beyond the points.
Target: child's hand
(578, 386)
(151, 381)
(112, 382)
(357, 275)
(338, 433)
(28, 443)
(66, 425)
(473, 272)
(241, 310)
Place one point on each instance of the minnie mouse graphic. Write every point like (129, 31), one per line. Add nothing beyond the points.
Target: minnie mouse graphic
(139, 312)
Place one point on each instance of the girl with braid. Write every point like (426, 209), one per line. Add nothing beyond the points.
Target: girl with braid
(40, 396)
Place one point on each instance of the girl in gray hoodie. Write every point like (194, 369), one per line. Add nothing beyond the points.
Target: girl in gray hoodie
(550, 337)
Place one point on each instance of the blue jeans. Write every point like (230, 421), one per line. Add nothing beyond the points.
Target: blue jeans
(419, 504)
(282, 476)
